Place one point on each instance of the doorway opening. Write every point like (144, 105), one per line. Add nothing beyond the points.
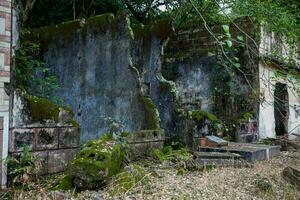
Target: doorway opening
(281, 109)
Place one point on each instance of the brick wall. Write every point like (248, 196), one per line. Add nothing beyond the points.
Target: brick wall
(5, 48)
(5, 42)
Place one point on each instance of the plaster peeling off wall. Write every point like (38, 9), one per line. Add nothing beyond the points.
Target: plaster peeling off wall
(266, 113)
(271, 44)
(193, 80)
(266, 108)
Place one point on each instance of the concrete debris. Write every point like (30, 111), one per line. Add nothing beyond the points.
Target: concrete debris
(214, 141)
(249, 152)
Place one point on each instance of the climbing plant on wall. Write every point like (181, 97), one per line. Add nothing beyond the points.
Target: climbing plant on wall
(31, 73)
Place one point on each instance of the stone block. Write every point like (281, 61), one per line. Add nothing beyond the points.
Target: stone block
(47, 138)
(59, 159)
(249, 152)
(142, 143)
(43, 158)
(143, 150)
(146, 136)
(69, 138)
(21, 137)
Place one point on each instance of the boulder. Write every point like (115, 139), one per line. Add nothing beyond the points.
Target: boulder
(96, 162)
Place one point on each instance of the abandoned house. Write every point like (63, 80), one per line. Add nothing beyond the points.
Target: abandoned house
(130, 77)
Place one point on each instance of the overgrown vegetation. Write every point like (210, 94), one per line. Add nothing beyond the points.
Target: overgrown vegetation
(31, 73)
(133, 176)
(23, 169)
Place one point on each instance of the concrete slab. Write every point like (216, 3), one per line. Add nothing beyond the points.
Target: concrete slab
(216, 155)
(248, 151)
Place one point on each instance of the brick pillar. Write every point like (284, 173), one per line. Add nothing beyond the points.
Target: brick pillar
(5, 51)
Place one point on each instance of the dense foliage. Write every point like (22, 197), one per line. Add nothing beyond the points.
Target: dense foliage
(32, 75)
(281, 16)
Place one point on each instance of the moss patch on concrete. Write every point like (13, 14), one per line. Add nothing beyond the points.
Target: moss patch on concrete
(151, 113)
(41, 110)
(49, 33)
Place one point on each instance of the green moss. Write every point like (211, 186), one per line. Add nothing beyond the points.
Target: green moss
(152, 115)
(101, 20)
(125, 134)
(42, 109)
(170, 154)
(97, 162)
(49, 33)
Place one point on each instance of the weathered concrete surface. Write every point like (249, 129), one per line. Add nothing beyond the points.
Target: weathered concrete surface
(97, 77)
(193, 79)
(249, 152)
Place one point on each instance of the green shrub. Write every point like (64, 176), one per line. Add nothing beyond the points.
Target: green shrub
(169, 154)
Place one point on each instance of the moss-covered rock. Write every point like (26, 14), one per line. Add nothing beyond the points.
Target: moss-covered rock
(96, 163)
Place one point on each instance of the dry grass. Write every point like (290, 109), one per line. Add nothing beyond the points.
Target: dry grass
(222, 183)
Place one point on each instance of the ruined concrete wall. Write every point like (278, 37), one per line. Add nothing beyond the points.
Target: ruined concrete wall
(188, 64)
(112, 72)
(102, 78)
(266, 113)
(268, 78)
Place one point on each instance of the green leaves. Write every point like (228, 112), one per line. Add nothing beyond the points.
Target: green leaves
(228, 43)
(31, 73)
(225, 28)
